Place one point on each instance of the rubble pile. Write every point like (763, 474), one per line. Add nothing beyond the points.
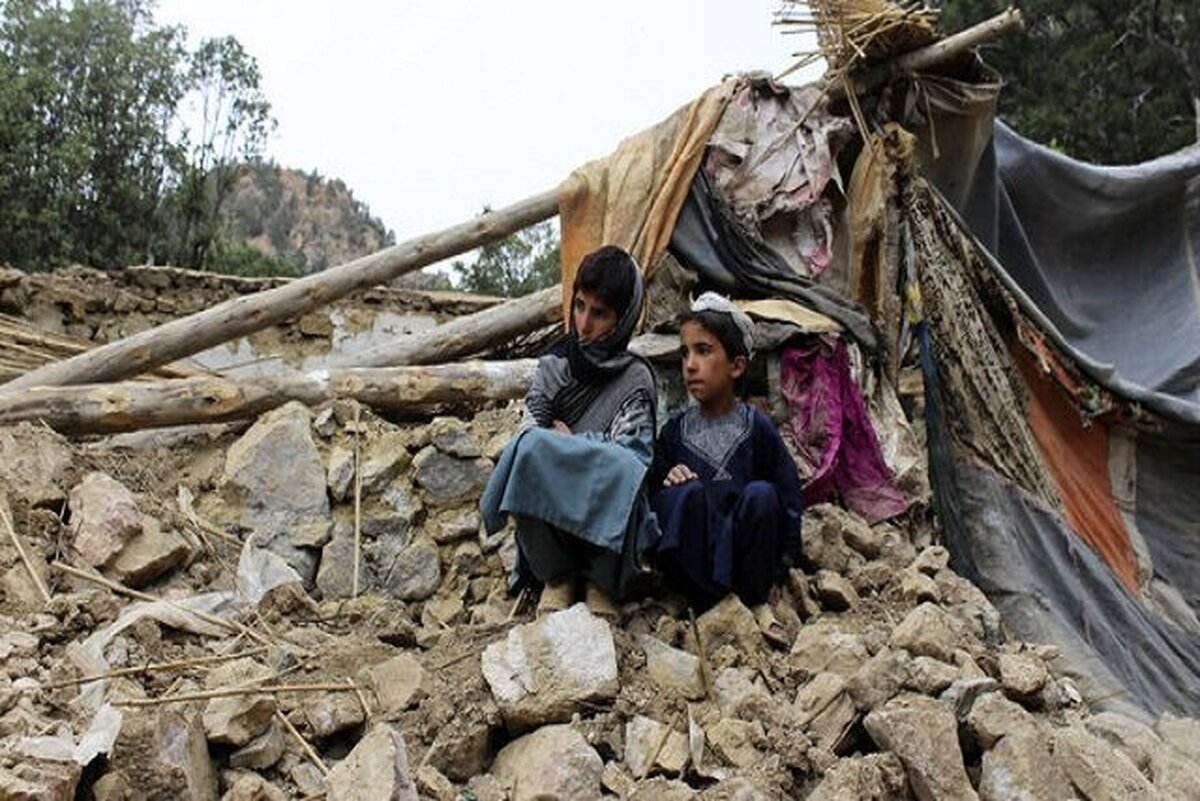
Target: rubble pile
(308, 607)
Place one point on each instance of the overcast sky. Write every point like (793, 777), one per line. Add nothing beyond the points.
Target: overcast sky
(429, 109)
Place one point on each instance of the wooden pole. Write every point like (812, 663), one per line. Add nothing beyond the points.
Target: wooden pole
(134, 405)
(467, 335)
(245, 315)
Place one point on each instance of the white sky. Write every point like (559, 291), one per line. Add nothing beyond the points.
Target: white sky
(429, 109)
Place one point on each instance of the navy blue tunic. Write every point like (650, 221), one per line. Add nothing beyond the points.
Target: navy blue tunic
(737, 527)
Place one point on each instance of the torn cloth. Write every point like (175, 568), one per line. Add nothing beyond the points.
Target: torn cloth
(835, 441)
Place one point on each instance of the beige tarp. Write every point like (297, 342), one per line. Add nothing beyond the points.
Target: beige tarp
(632, 197)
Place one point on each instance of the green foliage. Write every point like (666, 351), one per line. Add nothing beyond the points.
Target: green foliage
(517, 265)
(96, 164)
(244, 260)
(1110, 81)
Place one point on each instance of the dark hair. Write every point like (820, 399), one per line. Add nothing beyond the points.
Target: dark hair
(606, 273)
(720, 326)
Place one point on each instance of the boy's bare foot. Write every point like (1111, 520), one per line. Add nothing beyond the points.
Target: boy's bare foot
(600, 604)
(556, 596)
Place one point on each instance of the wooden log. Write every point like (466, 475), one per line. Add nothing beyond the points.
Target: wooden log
(240, 316)
(135, 405)
(467, 335)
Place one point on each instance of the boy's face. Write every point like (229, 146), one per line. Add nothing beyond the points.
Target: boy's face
(708, 371)
(594, 318)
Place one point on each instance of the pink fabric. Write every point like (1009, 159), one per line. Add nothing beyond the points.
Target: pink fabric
(840, 454)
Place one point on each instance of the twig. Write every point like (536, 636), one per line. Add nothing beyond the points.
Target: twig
(362, 699)
(37, 580)
(121, 589)
(357, 503)
(516, 605)
(662, 741)
(157, 667)
(705, 673)
(308, 749)
(229, 692)
(455, 660)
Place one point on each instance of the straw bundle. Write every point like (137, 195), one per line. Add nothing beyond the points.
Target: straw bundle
(853, 34)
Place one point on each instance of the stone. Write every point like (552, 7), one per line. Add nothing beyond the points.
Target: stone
(931, 560)
(451, 525)
(802, 597)
(443, 612)
(463, 747)
(397, 684)
(734, 741)
(825, 645)
(414, 573)
(1173, 773)
(872, 577)
(339, 473)
(924, 734)
(739, 695)
(252, 787)
(730, 622)
(165, 755)
(815, 697)
(1022, 675)
(834, 592)
(34, 462)
(335, 572)
(545, 671)
(1019, 766)
(263, 751)
(553, 762)
(650, 746)
(927, 631)
(895, 547)
(1098, 771)
(862, 538)
(382, 459)
(148, 555)
(916, 587)
(104, 516)
(1182, 733)
(671, 669)
(929, 676)
(877, 777)
(238, 719)
(448, 481)
(822, 538)
(878, 679)
(616, 780)
(468, 560)
(488, 788)
(17, 586)
(40, 780)
(993, 716)
(274, 477)
(825, 709)
(325, 423)
(960, 696)
(377, 768)
(450, 436)
(430, 782)
(660, 789)
(739, 788)
(329, 713)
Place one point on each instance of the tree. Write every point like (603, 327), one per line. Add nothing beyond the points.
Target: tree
(1108, 81)
(96, 163)
(517, 265)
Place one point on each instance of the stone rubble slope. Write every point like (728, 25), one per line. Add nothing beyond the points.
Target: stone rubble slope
(895, 678)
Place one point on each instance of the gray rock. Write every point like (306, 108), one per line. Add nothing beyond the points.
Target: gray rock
(376, 769)
(382, 459)
(1022, 675)
(413, 574)
(34, 462)
(824, 546)
(825, 645)
(929, 676)
(104, 516)
(928, 631)
(340, 472)
(993, 716)
(862, 538)
(552, 762)
(329, 713)
(931, 560)
(826, 710)
(918, 587)
(148, 555)
(730, 622)
(879, 678)
(275, 476)
(924, 734)
(734, 741)
(397, 684)
(877, 777)
(1173, 772)
(660, 789)
(488, 788)
(1098, 771)
(834, 592)
(463, 747)
(960, 696)
(450, 436)
(653, 746)
(326, 423)
(431, 783)
(178, 766)
(671, 669)
(448, 481)
(263, 751)
(451, 525)
(1020, 767)
(335, 573)
(252, 787)
(545, 671)
(238, 719)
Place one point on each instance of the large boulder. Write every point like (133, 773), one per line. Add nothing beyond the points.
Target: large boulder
(552, 762)
(545, 671)
(924, 734)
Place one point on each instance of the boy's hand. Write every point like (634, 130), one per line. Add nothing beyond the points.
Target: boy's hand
(560, 427)
(679, 474)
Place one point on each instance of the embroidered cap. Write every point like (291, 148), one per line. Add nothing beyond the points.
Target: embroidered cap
(711, 301)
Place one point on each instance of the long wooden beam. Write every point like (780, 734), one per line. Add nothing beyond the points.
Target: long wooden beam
(134, 405)
(244, 315)
(465, 336)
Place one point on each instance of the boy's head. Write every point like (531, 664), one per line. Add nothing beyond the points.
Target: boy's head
(715, 339)
(603, 290)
